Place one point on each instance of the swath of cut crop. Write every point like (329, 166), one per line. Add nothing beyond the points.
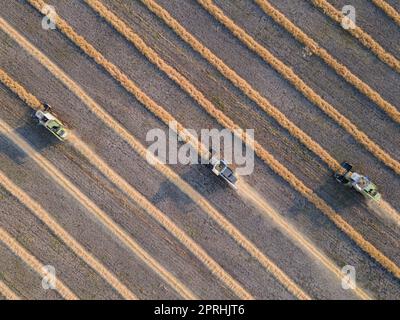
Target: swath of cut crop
(7, 293)
(31, 261)
(259, 150)
(15, 87)
(246, 192)
(300, 85)
(126, 187)
(359, 34)
(339, 68)
(388, 9)
(174, 178)
(140, 149)
(281, 170)
(101, 216)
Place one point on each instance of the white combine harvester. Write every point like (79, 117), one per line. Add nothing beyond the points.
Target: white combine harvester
(221, 169)
(51, 123)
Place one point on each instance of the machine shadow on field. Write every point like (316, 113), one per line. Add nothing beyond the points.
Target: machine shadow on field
(199, 177)
(168, 190)
(340, 196)
(35, 136)
(9, 149)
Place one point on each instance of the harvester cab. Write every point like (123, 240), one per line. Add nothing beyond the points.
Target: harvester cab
(48, 120)
(360, 183)
(221, 168)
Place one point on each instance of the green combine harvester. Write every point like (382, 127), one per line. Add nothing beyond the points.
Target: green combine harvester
(51, 123)
(360, 183)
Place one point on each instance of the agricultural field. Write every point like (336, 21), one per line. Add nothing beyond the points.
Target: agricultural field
(96, 215)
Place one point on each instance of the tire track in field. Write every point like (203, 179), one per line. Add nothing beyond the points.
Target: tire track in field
(339, 68)
(268, 158)
(28, 258)
(6, 292)
(360, 35)
(246, 192)
(101, 216)
(388, 9)
(132, 37)
(166, 171)
(178, 233)
(386, 211)
(301, 86)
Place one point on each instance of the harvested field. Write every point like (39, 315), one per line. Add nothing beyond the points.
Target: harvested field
(116, 222)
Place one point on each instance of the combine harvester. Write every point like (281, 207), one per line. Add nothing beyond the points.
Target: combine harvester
(369, 190)
(360, 183)
(48, 120)
(221, 169)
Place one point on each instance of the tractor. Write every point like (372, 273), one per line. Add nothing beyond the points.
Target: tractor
(360, 183)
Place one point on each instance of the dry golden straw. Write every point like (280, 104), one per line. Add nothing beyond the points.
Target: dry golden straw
(129, 34)
(249, 193)
(188, 87)
(388, 9)
(197, 251)
(79, 250)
